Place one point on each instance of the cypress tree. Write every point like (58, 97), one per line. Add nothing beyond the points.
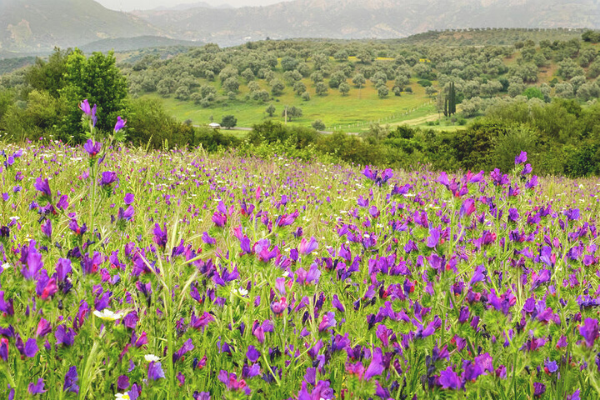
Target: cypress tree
(452, 99)
(446, 106)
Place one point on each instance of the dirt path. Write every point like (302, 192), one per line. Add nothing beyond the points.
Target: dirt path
(417, 121)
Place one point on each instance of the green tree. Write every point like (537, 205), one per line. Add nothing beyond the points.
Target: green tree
(344, 89)
(316, 77)
(248, 75)
(289, 63)
(341, 55)
(382, 91)
(292, 112)
(277, 87)
(533, 92)
(337, 79)
(228, 121)
(98, 80)
(49, 75)
(182, 93)
(321, 89)
(270, 110)
(261, 95)
(359, 80)
(430, 91)
(365, 56)
(299, 88)
(450, 107)
(231, 85)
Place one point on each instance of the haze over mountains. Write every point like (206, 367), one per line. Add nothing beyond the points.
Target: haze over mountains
(39, 25)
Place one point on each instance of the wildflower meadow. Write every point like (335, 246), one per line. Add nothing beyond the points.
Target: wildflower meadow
(176, 274)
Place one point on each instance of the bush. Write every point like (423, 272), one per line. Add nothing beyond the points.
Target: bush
(318, 125)
(149, 124)
(213, 140)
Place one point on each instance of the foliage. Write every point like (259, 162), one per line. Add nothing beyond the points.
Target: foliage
(229, 121)
(97, 79)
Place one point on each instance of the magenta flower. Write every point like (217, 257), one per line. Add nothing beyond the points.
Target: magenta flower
(308, 247)
(232, 382)
(89, 111)
(47, 228)
(327, 322)
(219, 219)
(467, 208)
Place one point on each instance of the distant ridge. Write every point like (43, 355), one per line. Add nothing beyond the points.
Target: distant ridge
(136, 43)
(357, 19)
(189, 6)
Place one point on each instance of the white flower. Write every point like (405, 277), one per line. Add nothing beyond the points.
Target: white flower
(6, 266)
(242, 291)
(107, 315)
(151, 357)
(123, 396)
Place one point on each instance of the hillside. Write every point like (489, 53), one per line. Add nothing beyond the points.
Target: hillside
(353, 19)
(40, 25)
(136, 43)
(400, 82)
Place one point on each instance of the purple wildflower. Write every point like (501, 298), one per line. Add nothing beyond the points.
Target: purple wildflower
(120, 124)
(92, 148)
(71, 378)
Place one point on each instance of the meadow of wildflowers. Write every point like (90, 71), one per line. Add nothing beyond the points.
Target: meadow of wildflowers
(175, 274)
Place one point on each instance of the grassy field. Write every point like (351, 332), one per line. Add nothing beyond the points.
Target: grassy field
(352, 112)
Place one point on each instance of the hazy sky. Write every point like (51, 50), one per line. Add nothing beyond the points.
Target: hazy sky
(128, 5)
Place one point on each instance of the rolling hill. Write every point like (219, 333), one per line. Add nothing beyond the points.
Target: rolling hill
(39, 25)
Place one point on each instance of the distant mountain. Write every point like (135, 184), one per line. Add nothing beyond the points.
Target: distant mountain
(189, 6)
(352, 19)
(36, 26)
(39, 25)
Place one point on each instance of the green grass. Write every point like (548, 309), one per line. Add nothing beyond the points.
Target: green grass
(335, 110)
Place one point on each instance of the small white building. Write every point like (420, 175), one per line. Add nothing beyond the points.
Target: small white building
(214, 125)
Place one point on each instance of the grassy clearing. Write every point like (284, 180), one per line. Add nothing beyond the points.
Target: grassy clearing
(360, 106)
